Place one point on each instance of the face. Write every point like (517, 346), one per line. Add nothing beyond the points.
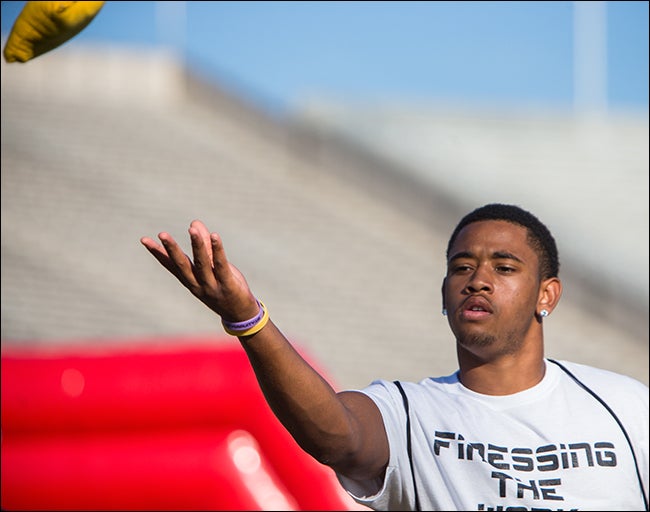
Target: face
(491, 289)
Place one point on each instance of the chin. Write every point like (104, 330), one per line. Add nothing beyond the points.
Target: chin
(478, 340)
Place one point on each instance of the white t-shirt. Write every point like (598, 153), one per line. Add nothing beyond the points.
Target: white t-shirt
(550, 447)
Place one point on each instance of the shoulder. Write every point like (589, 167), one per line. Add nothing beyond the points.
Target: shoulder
(392, 397)
(381, 387)
(618, 390)
(602, 378)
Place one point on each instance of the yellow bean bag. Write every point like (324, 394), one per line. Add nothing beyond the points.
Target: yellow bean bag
(42, 26)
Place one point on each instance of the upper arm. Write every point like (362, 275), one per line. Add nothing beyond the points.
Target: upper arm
(369, 457)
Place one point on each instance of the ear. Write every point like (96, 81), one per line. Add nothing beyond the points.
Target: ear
(442, 290)
(550, 291)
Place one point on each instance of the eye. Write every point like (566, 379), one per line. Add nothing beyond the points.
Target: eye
(505, 269)
(461, 268)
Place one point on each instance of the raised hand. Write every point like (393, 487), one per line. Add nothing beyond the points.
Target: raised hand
(344, 429)
(210, 277)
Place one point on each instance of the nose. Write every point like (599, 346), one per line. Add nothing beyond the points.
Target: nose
(479, 280)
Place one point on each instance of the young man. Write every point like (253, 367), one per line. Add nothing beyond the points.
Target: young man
(510, 430)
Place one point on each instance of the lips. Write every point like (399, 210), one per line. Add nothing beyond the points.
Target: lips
(476, 307)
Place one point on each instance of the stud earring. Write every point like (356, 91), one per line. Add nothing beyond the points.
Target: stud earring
(444, 312)
(543, 313)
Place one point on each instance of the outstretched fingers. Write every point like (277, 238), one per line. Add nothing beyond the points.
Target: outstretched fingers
(158, 252)
(208, 275)
(222, 270)
(236, 300)
(202, 252)
(205, 235)
(171, 256)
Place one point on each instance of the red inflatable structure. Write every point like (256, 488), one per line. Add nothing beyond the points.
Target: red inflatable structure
(183, 426)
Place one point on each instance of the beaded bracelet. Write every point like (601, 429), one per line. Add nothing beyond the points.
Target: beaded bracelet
(248, 327)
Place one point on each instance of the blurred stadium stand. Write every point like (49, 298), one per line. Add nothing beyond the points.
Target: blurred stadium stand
(344, 244)
(585, 173)
(101, 146)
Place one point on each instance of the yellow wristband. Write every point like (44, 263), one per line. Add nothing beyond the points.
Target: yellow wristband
(252, 326)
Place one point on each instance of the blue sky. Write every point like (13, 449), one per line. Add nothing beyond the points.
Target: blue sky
(461, 52)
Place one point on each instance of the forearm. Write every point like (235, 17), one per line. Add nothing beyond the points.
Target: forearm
(300, 397)
(342, 430)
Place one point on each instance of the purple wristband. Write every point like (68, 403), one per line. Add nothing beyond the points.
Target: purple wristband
(246, 324)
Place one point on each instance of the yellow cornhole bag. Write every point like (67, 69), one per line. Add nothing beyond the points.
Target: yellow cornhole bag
(42, 26)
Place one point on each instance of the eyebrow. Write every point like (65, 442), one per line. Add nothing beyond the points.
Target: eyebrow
(497, 255)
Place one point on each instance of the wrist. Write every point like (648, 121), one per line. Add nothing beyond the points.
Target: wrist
(240, 311)
(248, 327)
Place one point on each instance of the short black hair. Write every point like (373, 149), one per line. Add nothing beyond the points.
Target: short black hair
(539, 236)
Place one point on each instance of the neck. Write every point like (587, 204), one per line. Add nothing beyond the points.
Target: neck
(504, 374)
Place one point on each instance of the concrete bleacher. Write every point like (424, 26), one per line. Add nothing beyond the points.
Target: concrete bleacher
(585, 174)
(103, 146)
